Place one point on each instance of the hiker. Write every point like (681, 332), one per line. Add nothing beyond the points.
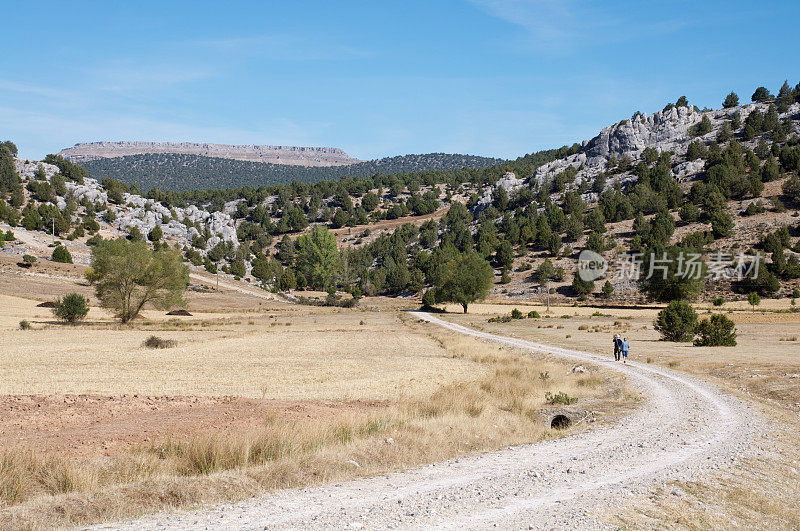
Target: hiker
(625, 348)
(617, 347)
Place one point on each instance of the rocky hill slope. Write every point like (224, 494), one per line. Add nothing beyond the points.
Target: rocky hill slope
(294, 155)
(713, 182)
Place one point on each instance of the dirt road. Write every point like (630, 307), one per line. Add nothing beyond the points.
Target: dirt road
(683, 430)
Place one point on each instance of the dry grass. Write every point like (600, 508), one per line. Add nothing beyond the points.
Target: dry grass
(499, 405)
(323, 354)
(760, 493)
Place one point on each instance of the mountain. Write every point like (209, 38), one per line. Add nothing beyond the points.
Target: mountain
(712, 183)
(181, 171)
(294, 155)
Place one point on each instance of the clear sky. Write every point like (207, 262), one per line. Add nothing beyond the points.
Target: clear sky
(376, 78)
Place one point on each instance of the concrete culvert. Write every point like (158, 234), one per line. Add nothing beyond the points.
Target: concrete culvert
(560, 422)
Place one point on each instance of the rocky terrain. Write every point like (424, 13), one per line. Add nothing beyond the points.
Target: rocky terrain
(294, 155)
(179, 225)
(665, 130)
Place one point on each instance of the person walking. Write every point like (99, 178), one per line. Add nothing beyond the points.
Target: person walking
(617, 347)
(625, 348)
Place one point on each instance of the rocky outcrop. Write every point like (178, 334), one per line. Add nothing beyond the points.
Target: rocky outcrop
(668, 129)
(142, 213)
(508, 182)
(665, 130)
(293, 155)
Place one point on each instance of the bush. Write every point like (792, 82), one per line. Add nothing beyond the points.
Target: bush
(428, 299)
(61, 254)
(753, 299)
(28, 259)
(72, 308)
(677, 322)
(559, 398)
(516, 314)
(157, 342)
(719, 301)
(718, 331)
(533, 314)
(24, 325)
(608, 289)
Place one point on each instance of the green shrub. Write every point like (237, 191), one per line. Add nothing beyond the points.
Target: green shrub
(24, 325)
(608, 289)
(533, 314)
(71, 308)
(516, 314)
(718, 331)
(719, 301)
(28, 259)
(677, 322)
(559, 398)
(61, 254)
(428, 299)
(753, 299)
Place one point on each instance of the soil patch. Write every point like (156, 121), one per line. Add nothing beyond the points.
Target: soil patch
(94, 425)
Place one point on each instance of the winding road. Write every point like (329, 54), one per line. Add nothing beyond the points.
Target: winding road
(684, 428)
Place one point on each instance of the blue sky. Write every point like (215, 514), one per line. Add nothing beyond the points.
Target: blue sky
(488, 77)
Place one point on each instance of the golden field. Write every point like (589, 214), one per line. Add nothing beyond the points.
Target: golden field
(279, 395)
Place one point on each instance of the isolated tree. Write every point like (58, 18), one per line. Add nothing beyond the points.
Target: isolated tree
(731, 100)
(753, 299)
(718, 331)
(318, 257)
(761, 95)
(127, 275)
(61, 254)
(464, 280)
(676, 322)
(682, 102)
(71, 308)
(608, 289)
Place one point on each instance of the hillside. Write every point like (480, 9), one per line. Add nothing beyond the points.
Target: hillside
(180, 172)
(711, 183)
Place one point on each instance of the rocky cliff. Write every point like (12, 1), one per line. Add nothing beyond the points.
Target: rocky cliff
(293, 155)
(666, 130)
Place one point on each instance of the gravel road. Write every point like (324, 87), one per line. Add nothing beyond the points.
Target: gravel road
(684, 429)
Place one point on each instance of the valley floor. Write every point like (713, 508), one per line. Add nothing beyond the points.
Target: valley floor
(259, 395)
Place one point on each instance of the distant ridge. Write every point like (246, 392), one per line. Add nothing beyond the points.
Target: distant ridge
(292, 155)
(181, 172)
